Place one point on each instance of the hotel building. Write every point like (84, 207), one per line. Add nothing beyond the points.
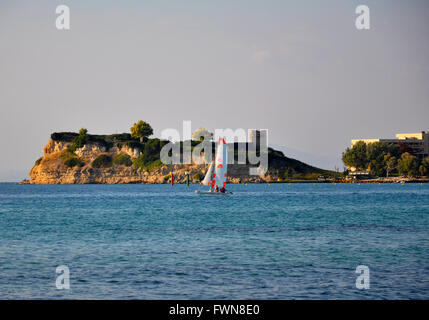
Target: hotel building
(418, 143)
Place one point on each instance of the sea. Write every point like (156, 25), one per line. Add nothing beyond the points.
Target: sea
(278, 241)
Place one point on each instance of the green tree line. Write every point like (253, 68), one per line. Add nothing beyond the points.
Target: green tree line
(383, 159)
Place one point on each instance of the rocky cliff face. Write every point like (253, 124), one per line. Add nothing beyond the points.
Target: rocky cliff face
(52, 169)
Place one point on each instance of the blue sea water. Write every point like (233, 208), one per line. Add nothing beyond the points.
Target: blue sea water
(279, 241)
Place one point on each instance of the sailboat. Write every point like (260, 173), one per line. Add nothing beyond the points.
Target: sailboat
(217, 173)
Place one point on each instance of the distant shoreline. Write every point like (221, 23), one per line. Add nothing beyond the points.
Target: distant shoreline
(368, 181)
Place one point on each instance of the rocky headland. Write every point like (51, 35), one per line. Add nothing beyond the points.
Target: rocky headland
(72, 158)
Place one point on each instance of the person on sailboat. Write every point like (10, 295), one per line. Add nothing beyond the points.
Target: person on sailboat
(216, 174)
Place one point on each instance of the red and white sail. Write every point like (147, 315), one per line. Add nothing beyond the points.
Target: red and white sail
(221, 165)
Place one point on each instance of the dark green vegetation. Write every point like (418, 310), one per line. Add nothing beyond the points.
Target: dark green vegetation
(150, 149)
(108, 141)
(197, 177)
(79, 141)
(102, 161)
(71, 160)
(149, 158)
(383, 159)
(412, 166)
(293, 169)
(74, 162)
(122, 159)
(129, 144)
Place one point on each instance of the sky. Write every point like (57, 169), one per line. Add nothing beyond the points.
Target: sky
(300, 69)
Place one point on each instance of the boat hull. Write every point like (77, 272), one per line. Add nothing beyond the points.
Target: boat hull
(212, 193)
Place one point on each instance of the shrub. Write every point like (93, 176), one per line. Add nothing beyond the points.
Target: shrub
(70, 160)
(312, 176)
(150, 157)
(66, 154)
(197, 177)
(298, 176)
(74, 162)
(122, 159)
(101, 140)
(64, 136)
(102, 161)
(138, 162)
(153, 165)
(129, 144)
(38, 161)
(287, 173)
(146, 166)
(79, 141)
(306, 176)
(133, 144)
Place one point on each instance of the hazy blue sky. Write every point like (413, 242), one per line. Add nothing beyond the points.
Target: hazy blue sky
(298, 68)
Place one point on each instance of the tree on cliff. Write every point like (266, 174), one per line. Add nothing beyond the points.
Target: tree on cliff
(79, 141)
(202, 134)
(141, 130)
